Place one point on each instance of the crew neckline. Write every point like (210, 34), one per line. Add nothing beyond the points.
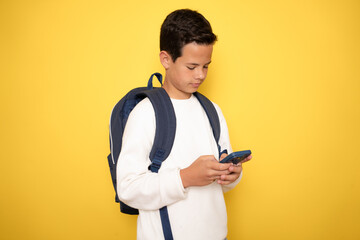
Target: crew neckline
(183, 100)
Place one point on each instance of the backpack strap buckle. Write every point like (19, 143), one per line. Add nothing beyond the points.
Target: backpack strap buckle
(157, 161)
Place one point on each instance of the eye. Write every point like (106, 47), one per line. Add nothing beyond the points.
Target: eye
(206, 66)
(191, 68)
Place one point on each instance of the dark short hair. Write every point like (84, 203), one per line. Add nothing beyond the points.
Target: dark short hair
(182, 27)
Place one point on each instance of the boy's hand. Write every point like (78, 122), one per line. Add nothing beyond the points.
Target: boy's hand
(234, 171)
(203, 171)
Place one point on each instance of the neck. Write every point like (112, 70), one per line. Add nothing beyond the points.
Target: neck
(174, 93)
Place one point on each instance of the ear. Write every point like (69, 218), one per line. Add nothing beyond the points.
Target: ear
(165, 59)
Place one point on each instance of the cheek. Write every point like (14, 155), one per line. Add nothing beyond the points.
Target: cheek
(188, 74)
(183, 75)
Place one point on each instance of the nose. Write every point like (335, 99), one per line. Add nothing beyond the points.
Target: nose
(201, 74)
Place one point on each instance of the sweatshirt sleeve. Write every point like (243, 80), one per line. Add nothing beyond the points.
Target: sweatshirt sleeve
(224, 142)
(137, 186)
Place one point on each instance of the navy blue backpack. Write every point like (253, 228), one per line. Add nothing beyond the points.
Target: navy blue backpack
(164, 135)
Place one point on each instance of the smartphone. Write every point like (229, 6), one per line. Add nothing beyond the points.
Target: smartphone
(236, 157)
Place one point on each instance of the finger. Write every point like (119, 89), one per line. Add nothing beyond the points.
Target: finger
(221, 182)
(229, 178)
(223, 156)
(235, 168)
(225, 182)
(216, 173)
(220, 166)
(247, 159)
(214, 178)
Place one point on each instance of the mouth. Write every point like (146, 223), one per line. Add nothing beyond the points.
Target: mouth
(195, 85)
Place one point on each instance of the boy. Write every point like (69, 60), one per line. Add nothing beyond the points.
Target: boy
(190, 181)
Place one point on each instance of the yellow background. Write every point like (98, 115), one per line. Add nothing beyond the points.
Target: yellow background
(285, 73)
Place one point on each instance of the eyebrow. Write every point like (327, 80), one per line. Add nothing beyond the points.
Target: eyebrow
(196, 64)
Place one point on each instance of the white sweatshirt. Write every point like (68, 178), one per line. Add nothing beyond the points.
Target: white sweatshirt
(196, 212)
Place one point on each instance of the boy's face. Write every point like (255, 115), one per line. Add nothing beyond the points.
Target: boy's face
(186, 74)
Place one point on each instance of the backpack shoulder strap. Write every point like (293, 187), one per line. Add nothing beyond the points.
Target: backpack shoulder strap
(163, 141)
(165, 126)
(212, 116)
